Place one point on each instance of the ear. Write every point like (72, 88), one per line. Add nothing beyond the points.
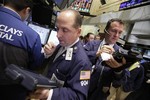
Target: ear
(79, 31)
(27, 10)
(25, 13)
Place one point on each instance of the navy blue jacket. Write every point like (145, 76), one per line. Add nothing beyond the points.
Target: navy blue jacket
(68, 73)
(17, 34)
(102, 76)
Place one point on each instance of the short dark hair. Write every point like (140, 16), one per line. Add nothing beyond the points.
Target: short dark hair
(19, 4)
(88, 34)
(78, 17)
(81, 37)
(113, 20)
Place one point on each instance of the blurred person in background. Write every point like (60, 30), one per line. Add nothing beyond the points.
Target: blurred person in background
(89, 37)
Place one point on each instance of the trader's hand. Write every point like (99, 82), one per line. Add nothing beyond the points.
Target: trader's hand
(49, 48)
(106, 49)
(114, 64)
(40, 93)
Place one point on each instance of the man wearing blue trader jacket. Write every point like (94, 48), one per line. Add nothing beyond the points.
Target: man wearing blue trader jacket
(69, 65)
(105, 68)
(19, 45)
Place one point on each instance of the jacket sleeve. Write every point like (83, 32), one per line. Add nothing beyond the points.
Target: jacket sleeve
(120, 78)
(135, 80)
(36, 57)
(91, 52)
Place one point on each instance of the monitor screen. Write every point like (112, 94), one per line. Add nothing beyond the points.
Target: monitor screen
(41, 15)
(53, 37)
(42, 31)
(147, 54)
(1, 1)
(132, 3)
(82, 5)
(123, 5)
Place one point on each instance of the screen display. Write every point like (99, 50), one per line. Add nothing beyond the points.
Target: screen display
(81, 5)
(123, 5)
(147, 54)
(132, 3)
(137, 49)
(41, 15)
(42, 31)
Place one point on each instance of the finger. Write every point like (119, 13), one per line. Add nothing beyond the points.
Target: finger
(123, 61)
(98, 53)
(35, 96)
(113, 63)
(108, 49)
(51, 44)
(47, 47)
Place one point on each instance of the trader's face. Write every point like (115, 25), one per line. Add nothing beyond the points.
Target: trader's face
(66, 33)
(114, 32)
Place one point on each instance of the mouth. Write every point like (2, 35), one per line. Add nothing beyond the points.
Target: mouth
(115, 39)
(61, 41)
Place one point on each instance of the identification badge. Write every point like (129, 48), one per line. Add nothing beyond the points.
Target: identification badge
(69, 54)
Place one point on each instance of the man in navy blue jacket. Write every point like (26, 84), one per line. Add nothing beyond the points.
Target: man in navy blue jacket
(19, 45)
(69, 65)
(105, 68)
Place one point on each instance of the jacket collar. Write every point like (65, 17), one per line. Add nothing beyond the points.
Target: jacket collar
(11, 12)
(75, 47)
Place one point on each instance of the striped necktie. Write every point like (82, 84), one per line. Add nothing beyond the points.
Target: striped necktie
(60, 51)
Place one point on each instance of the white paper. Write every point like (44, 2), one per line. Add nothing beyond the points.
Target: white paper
(53, 38)
(105, 56)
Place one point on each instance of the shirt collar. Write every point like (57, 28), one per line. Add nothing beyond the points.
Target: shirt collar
(12, 10)
(104, 42)
(72, 44)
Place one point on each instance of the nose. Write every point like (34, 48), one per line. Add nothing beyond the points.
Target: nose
(59, 33)
(117, 34)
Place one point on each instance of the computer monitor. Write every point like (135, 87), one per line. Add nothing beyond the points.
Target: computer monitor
(147, 54)
(42, 31)
(42, 14)
(81, 6)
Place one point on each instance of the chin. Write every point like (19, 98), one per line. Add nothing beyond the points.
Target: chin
(112, 42)
(62, 44)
